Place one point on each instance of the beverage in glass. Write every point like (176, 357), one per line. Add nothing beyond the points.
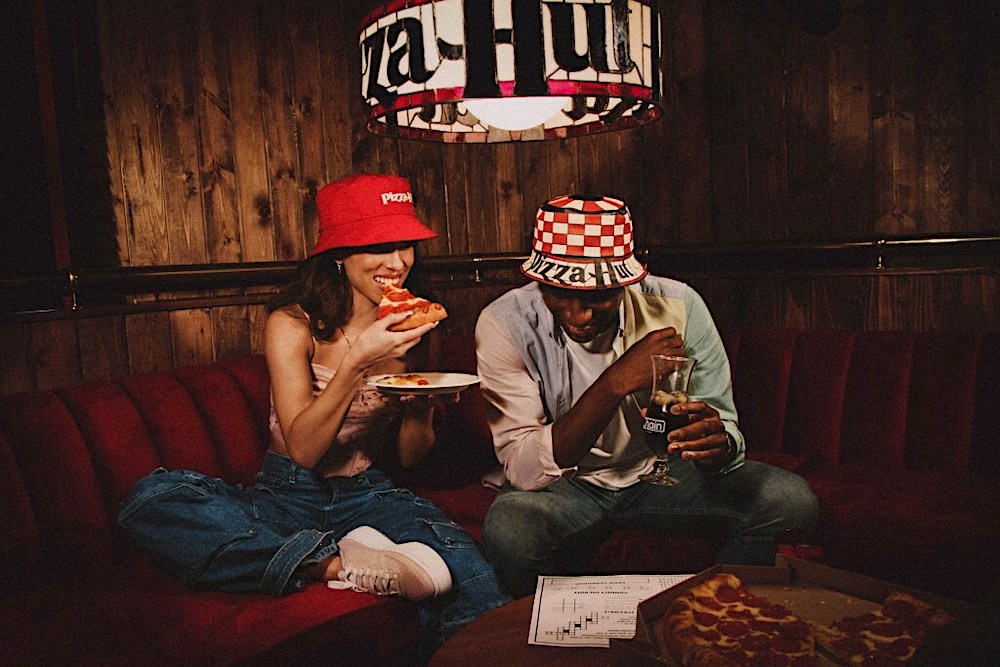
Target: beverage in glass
(671, 376)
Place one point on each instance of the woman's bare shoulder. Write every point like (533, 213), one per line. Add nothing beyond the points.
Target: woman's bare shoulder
(287, 327)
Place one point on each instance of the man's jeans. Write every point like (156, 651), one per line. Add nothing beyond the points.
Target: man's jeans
(217, 536)
(556, 530)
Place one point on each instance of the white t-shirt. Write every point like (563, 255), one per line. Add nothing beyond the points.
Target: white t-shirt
(616, 459)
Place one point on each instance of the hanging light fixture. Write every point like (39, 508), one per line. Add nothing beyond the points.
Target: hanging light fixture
(465, 71)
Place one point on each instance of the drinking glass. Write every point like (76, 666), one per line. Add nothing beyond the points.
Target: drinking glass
(671, 376)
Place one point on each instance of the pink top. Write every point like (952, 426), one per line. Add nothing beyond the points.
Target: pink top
(370, 428)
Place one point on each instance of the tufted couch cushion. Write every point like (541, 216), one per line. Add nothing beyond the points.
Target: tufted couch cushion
(907, 485)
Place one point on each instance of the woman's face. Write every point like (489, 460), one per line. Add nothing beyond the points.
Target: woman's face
(388, 263)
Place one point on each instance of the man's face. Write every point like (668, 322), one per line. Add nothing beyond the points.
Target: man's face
(584, 314)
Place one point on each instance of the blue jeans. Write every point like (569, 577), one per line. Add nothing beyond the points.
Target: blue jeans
(557, 530)
(217, 536)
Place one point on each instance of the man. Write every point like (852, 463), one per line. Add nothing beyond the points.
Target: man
(566, 371)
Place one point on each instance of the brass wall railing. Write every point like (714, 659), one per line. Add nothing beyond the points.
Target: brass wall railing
(90, 292)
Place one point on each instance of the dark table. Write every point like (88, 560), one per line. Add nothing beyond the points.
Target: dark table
(500, 637)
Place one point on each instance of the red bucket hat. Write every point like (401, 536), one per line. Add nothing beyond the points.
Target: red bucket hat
(367, 209)
(583, 242)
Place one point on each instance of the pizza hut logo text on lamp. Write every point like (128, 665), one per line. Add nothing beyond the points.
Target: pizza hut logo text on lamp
(422, 61)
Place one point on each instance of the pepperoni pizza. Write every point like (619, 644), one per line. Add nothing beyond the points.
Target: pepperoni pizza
(888, 636)
(396, 299)
(719, 623)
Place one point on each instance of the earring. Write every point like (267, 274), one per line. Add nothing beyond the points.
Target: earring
(340, 267)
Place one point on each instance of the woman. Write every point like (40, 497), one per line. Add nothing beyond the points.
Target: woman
(321, 508)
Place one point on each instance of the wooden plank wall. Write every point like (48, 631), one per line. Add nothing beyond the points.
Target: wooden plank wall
(223, 119)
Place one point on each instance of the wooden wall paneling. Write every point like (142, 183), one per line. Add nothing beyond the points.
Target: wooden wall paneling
(630, 158)
(257, 317)
(387, 155)
(958, 302)
(239, 211)
(793, 302)
(727, 75)
(30, 184)
(533, 173)
(175, 91)
(230, 331)
(684, 128)
(718, 295)
(802, 303)
(779, 119)
(943, 176)
(307, 117)
(510, 200)
(838, 302)
(54, 353)
(850, 126)
(594, 163)
(893, 118)
(149, 342)
(81, 156)
(15, 371)
(981, 295)
(935, 306)
(106, 19)
(454, 185)
(481, 196)
(192, 336)
(422, 164)
(981, 57)
(564, 174)
(102, 347)
(887, 304)
(808, 136)
(137, 132)
(648, 180)
(342, 110)
(364, 155)
(219, 51)
(280, 65)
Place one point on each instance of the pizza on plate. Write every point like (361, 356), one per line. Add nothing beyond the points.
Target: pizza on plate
(889, 635)
(405, 380)
(720, 623)
(396, 299)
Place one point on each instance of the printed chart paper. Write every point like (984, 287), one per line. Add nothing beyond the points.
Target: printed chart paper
(589, 611)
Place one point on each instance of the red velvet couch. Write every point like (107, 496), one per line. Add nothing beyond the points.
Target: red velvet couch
(897, 433)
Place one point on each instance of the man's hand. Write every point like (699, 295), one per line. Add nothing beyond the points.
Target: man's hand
(704, 441)
(634, 370)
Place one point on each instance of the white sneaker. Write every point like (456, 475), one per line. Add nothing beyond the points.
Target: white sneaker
(375, 564)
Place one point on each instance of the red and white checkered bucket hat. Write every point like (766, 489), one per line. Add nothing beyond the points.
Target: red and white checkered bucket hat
(583, 242)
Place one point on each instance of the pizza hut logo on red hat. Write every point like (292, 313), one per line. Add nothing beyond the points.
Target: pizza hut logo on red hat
(366, 210)
(396, 197)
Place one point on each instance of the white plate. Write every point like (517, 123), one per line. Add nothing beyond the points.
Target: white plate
(437, 383)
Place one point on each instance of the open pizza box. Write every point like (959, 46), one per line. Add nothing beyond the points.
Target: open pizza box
(810, 590)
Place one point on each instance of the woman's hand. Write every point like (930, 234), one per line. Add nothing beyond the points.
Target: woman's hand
(377, 343)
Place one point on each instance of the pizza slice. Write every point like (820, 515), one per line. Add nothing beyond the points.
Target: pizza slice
(396, 299)
(720, 623)
(889, 635)
(406, 380)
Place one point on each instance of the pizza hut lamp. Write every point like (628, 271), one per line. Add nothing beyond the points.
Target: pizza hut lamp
(475, 71)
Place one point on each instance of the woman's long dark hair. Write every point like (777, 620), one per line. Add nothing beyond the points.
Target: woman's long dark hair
(321, 289)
